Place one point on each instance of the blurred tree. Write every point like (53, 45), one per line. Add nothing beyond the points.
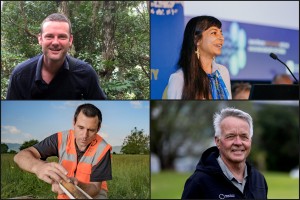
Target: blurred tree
(27, 144)
(180, 128)
(185, 128)
(63, 7)
(13, 152)
(113, 36)
(4, 148)
(279, 127)
(136, 143)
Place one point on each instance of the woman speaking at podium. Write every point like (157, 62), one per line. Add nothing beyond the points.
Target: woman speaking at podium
(199, 76)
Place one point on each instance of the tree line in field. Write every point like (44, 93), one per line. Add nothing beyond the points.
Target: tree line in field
(135, 143)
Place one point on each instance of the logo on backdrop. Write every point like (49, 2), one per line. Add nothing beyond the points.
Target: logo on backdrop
(234, 50)
(164, 7)
(247, 47)
(167, 25)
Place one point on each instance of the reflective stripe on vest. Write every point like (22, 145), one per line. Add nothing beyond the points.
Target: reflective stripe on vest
(68, 157)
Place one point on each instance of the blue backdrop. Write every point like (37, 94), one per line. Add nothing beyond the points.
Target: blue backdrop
(245, 52)
(167, 25)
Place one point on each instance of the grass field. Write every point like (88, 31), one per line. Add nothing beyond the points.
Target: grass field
(131, 179)
(169, 185)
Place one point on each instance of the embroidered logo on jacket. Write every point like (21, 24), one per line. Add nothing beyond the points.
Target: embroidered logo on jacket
(225, 196)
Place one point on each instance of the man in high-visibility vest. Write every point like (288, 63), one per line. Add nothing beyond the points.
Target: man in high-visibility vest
(84, 156)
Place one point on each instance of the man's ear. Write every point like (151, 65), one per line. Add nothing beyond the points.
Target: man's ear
(71, 40)
(217, 141)
(40, 38)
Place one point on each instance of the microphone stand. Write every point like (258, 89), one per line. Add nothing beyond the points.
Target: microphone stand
(276, 58)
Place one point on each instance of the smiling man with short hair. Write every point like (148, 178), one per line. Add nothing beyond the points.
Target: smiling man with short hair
(222, 172)
(54, 74)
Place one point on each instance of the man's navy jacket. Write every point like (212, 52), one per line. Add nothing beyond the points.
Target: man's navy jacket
(209, 182)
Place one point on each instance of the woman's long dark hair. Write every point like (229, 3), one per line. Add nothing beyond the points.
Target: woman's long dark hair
(196, 83)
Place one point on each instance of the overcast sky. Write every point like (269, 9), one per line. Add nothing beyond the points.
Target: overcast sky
(25, 120)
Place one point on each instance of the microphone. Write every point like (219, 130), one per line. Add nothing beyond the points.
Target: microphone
(274, 56)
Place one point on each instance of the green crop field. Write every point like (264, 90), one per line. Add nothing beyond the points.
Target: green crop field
(131, 179)
(169, 185)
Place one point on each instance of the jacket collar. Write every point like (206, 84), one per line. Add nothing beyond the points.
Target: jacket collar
(208, 162)
(38, 73)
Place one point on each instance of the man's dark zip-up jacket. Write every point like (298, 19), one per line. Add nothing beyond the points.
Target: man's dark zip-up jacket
(209, 182)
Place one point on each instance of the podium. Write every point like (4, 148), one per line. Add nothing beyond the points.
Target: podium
(274, 92)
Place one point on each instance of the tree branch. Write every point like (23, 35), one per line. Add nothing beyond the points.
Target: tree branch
(22, 9)
(23, 28)
(145, 58)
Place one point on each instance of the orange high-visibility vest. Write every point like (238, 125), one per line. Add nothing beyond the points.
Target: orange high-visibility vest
(68, 157)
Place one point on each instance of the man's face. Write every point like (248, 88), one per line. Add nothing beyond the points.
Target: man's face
(234, 143)
(86, 129)
(55, 40)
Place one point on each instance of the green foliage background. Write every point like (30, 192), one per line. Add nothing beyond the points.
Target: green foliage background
(136, 143)
(4, 148)
(29, 143)
(125, 76)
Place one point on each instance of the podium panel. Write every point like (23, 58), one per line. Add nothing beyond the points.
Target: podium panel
(274, 92)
